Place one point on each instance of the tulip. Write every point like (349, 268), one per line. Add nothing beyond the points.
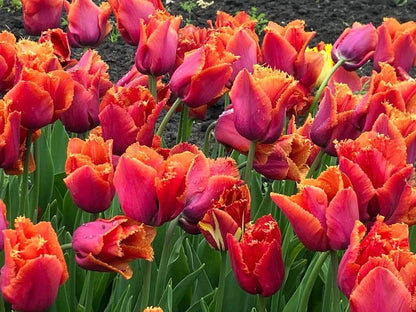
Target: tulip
(153, 309)
(88, 24)
(90, 173)
(7, 60)
(34, 266)
(240, 20)
(229, 214)
(91, 81)
(9, 135)
(41, 97)
(3, 222)
(129, 115)
(377, 272)
(208, 65)
(156, 52)
(60, 44)
(333, 120)
(396, 44)
(128, 14)
(323, 213)
(355, 46)
(257, 258)
(41, 15)
(109, 245)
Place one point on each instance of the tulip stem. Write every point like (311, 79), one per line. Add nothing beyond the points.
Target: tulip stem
(249, 164)
(146, 284)
(334, 286)
(153, 86)
(164, 258)
(206, 138)
(262, 304)
(66, 246)
(221, 283)
(167, 117)
(36, 182)
(315, 163)
(25, 176)
(323, 85)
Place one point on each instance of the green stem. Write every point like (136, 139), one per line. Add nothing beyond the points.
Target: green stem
(25, 177)
(164, 258)
(153, 86)
(221, 283)
(262, 304)
(146, 284)
(183, 125)
(226, 100)
(36, 178)
(315, 163)
(334, 286)
(323, 85)
(167, 117)
(249, 165)
(206, 138)
(66, 246)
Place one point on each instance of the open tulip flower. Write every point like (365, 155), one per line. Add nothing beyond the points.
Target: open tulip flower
(34, 265)
(156, 52)
(7, 60)
(90, 173)
(41, 15)
(256, 259)
(88, 24)
(377, 272)
(323, 213)
(9, 135)
(128, 14)
(109, 245)
(128, 115)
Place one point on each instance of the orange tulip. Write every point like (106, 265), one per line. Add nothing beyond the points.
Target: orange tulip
(41, 15)
(34, 265)
(7, 60)
(3, 222)
(9, 135)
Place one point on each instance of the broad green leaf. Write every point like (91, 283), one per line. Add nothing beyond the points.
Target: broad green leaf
(59, 143)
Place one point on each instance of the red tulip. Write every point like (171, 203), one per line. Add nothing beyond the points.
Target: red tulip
(128, 14)
(355, 46)
(229, 214)
(240, 20)
(7, 60)
(90, 173)
(9, 135)
(88, 24)
(109, 245)
(41, 15)
(34, 266)
(257, 258)
(60, 44)
(156, 52)
(91, 81)
(377, 273)
(129, 115)
(323, 213)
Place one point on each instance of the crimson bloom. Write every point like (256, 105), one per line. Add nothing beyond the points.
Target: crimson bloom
(41, 15)
(128, 14)
(355, 46)
(7, 60)
(257, 258)
(156, 52)
(34, 265)
(377, 272)
(60, 44)
(90, 173)
(109, 245)
(88, 24)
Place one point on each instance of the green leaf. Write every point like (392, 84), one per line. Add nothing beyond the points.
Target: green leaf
(185, 284)
(165, 301)
(59, 141)
(44, 164)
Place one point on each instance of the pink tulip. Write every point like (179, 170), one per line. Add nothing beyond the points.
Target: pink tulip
(41, 15)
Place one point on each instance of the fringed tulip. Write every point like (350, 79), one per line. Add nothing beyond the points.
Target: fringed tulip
(34, 266)
(41, 97)
(88, 24)
(128, 14)
(229, 214)
(41, 15)
(323, 213)
(355, 46)
(377, 272)
(60, 44)
(153, 309)
(109, 245)
(129, 115)
(91, 81)
(333, 120)
(7, 60)
(9, 135)
(240, 20)
(90, 173)
(257, 258)
(156, 52)
(396, 44)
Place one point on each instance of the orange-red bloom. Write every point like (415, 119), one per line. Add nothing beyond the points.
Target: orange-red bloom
(109, 245)
(257, 258)
(88, 24)
(3, 222)
(377, 273)
(41, 15)
(9, 135)
(90, 173)
(34, 265)
(7, 60)
(323, 213)
(60, 44)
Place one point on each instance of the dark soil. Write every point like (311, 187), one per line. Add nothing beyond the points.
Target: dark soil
(327, 17)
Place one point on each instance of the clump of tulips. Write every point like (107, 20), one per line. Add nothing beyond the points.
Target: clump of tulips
(101, 212)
